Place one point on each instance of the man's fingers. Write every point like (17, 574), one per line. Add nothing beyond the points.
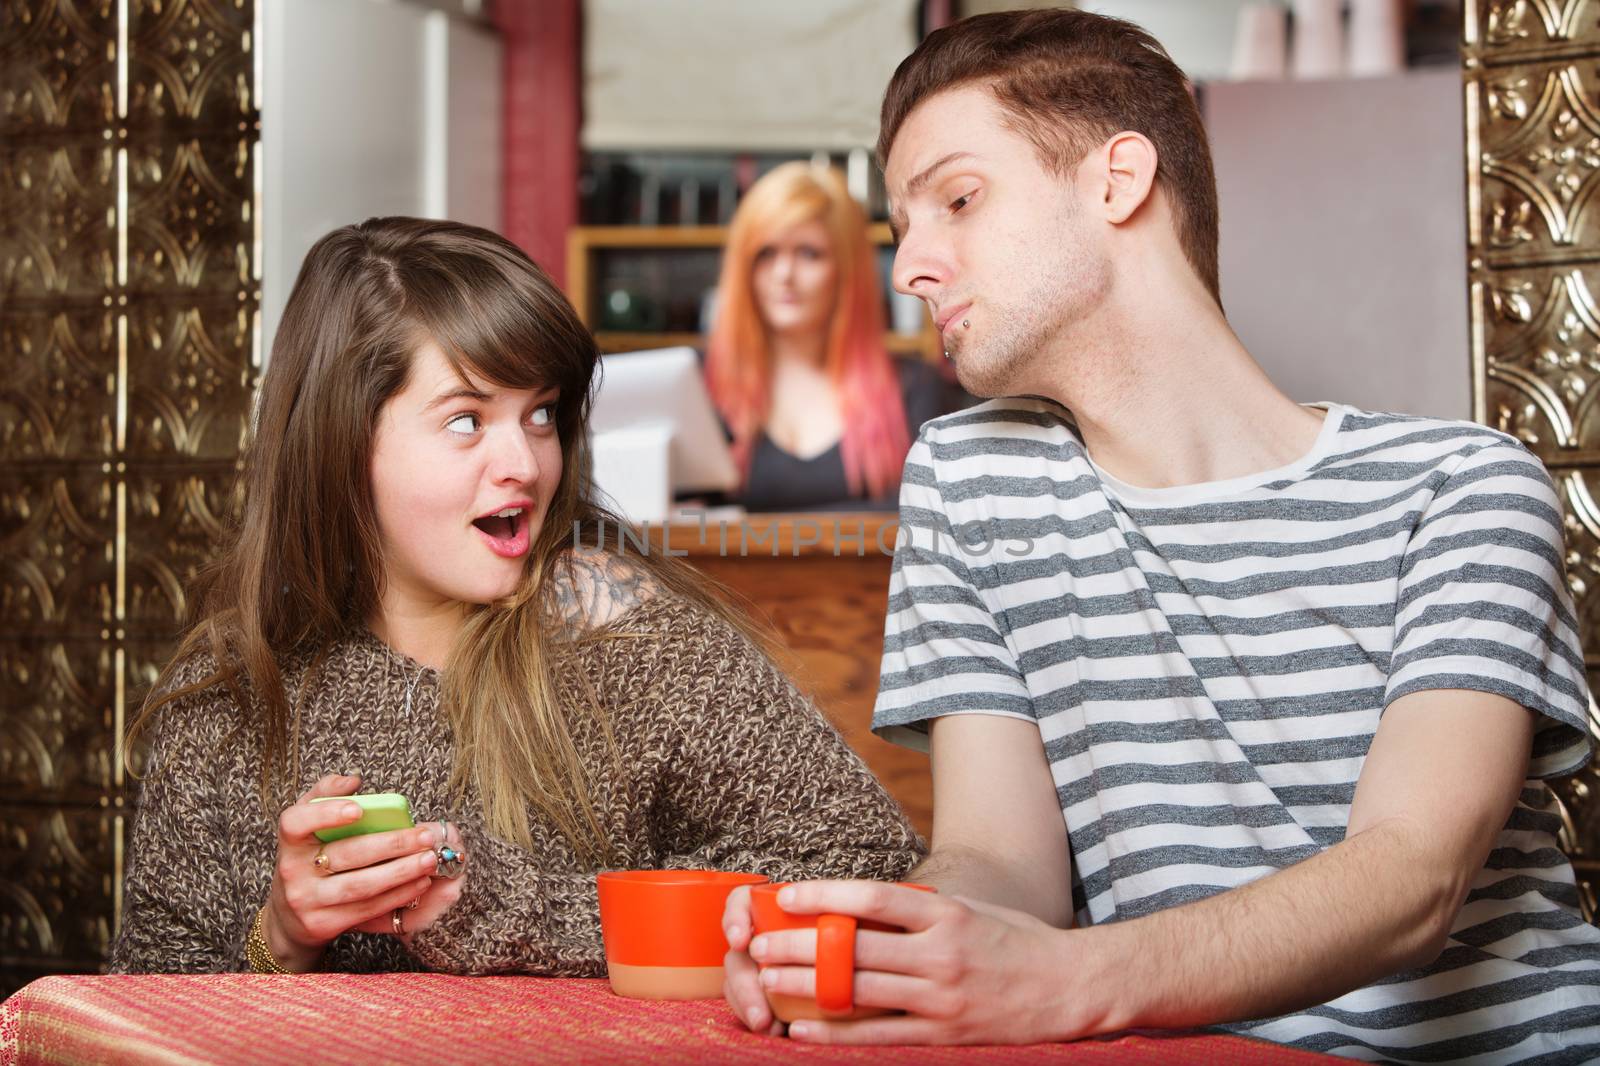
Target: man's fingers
(787, 946)
(909, 908)
(904, 1029)
(889, 991)
(736, 922)
(889, 952)
(741, 987)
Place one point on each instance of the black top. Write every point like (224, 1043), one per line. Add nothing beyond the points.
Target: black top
(782, 481)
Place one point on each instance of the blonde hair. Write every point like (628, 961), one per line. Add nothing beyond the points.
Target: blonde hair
(738, 356)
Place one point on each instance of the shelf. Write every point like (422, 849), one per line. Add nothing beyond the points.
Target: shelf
(584, 241)
(621, 341)
(645, 237)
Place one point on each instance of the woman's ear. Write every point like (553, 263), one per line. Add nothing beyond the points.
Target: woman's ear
(1129, 161)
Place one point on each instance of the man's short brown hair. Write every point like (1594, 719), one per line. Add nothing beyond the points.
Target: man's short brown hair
(1069, 80)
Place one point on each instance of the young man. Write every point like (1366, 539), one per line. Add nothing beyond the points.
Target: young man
(1238, 709)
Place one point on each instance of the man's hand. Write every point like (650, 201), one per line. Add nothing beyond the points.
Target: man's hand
(741, 985)
(997, 831)
(965, 972)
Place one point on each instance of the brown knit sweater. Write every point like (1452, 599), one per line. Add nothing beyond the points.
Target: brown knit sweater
(725, 765)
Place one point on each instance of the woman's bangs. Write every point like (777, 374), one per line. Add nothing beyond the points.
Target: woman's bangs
(790, 215)
(507, 350)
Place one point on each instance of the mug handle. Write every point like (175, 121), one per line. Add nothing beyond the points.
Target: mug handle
(836, 962)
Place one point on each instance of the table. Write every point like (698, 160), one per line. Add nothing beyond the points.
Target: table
(396, 1018)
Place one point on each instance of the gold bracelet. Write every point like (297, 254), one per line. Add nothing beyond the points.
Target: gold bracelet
(257, 952)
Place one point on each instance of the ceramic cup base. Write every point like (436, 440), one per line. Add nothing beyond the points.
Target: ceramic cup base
(804, 1008)
(665, 982)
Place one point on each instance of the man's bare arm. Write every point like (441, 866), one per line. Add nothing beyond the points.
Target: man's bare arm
(998, 834)
(1440, 780)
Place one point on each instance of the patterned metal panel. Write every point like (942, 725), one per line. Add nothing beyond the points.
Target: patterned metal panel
(128, 307)
(1533, 169)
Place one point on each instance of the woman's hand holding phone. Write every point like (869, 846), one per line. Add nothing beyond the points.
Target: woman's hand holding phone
(440, 895)
(365, 878)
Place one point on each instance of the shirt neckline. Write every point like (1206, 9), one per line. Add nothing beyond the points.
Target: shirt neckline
(787, 454)
(1204, 491)
(394, 660)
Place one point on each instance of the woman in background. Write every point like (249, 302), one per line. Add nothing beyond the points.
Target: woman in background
(821, 416)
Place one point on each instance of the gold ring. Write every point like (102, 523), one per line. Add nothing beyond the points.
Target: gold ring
(398, 918)
(321, 862)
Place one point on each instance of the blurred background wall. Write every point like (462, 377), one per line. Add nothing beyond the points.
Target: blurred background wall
(372, 109)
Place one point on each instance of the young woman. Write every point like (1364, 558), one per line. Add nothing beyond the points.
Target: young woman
(407, 606)
(821, 416)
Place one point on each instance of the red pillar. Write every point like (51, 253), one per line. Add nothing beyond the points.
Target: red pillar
(543, 79)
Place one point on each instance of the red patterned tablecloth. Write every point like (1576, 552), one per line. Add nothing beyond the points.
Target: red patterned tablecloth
(401, 1018)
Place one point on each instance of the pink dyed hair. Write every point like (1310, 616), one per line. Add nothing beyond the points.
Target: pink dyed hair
(738, 357)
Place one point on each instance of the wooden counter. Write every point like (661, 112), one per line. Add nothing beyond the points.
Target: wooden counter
(823, 581)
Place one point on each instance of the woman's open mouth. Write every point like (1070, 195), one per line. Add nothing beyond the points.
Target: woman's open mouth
(506, 532)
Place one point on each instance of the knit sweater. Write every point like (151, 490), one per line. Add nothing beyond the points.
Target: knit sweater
(724, 764)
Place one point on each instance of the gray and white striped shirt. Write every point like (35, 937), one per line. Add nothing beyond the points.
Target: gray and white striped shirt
(1208, 664)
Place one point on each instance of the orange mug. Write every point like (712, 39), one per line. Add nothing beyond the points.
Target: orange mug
(836, 956)
(663, 930)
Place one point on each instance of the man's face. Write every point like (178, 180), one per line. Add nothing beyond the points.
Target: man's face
(995, 243)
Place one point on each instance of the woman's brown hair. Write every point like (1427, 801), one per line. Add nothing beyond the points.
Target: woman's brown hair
(304, 566)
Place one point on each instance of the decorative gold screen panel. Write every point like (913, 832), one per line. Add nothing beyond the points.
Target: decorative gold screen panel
(128, 307)
(1533, 168)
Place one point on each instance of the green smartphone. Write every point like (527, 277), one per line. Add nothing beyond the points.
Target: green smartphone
(380, 812)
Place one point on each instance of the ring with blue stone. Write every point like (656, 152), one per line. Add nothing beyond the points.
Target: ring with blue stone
(448, 860)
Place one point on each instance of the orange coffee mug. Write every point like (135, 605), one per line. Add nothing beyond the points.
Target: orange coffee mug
(836, 956)
(663, 930)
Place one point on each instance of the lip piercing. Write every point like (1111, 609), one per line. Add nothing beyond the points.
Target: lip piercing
(966, 323)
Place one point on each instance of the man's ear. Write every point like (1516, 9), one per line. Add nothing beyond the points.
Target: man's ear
(1129, 162)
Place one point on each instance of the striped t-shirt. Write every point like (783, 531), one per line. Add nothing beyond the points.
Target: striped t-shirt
(1207, 666)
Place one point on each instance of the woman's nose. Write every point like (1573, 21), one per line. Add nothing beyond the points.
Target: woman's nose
(514, 459)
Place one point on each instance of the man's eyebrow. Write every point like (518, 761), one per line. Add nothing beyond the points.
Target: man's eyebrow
(460, 392)
(920, 181)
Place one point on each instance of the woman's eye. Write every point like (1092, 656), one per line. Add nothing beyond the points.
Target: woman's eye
(543, 416)
(811, 254)
(959, 202)
(463, 424)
